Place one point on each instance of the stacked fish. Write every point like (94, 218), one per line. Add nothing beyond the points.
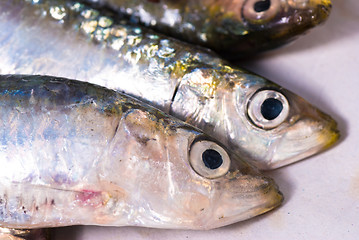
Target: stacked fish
(155, 131)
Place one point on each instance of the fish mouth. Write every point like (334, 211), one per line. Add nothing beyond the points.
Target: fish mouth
(323, 11)
(244, 205)
(311, 13)
(303, 15)
(306, 138)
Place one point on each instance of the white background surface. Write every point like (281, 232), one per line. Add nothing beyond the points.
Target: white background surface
(322, 192)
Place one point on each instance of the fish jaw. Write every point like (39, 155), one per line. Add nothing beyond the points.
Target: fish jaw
(310, 12)
(270, 199)
(251, 197)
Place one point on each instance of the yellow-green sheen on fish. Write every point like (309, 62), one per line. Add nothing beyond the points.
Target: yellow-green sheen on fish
(80, 154)
(253, 117)
(234, 28)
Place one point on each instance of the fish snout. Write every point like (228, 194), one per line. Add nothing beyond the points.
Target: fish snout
(250, 186)
(323, 11)
(309, 12)
(245, 198)
(306, 137)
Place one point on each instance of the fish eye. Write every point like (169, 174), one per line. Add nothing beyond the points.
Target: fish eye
(208, 159)
(257, 11)
(262, 6)
(268, 108)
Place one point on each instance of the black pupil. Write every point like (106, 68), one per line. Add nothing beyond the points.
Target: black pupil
(271, 108)
(262, 6)
(212, 159)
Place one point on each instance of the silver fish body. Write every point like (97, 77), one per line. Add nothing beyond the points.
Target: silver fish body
(76, 153)
(71, 39)
(234, 28)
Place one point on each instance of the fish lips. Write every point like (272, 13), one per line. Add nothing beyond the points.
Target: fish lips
(247, 197)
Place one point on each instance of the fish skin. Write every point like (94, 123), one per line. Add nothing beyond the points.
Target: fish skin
(73, 40)
(230, 27)
(81, 154)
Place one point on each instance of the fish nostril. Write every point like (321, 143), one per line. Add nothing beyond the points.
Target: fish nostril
(262, 5)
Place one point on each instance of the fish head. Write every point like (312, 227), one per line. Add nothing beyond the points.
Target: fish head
(273, 125)
(285, 14)
(271, 23)
(224, 188)
(282, 127)
(257, 119)
(176, 176)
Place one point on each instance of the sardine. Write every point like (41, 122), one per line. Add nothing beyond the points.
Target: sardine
(234, 28)
(70, 39)
(80, 154)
